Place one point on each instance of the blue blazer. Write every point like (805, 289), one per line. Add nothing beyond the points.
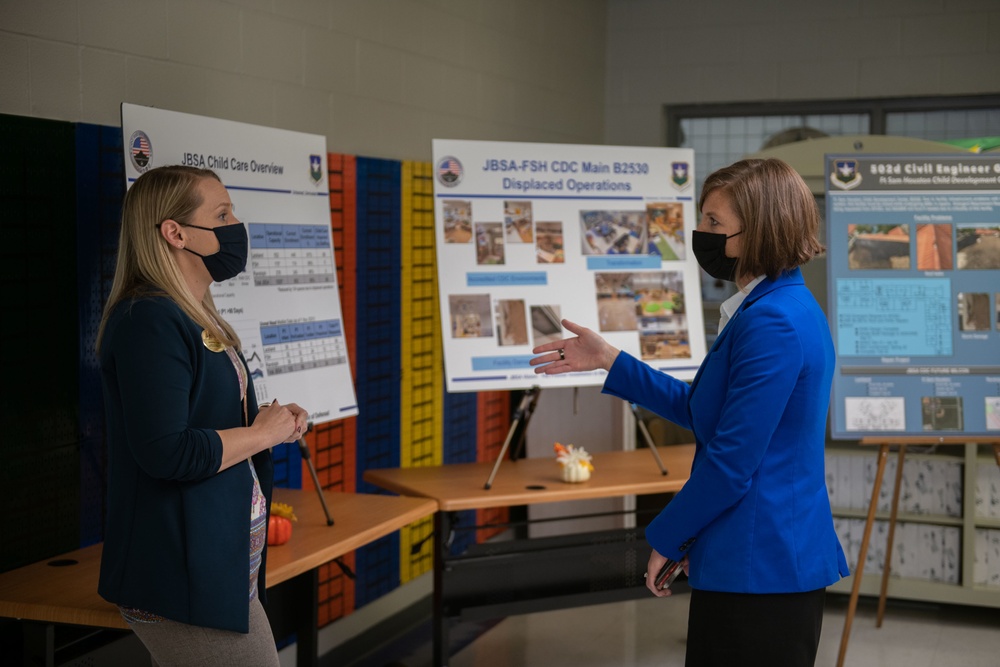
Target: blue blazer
(755, 515)
(177, 540)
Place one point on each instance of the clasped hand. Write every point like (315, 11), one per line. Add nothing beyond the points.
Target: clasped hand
(282, 423)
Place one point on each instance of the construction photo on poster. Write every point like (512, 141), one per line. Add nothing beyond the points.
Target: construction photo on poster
(530, 234)
(913, 254)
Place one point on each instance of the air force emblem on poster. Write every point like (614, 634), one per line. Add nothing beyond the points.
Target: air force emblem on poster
(140, 151)
(680, 174)
(449, 171)
(845, 174)
(316, 168)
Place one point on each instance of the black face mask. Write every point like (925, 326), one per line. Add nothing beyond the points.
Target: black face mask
(710, 251)
(231, 259)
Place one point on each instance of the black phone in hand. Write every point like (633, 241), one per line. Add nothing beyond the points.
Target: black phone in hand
(667, 574)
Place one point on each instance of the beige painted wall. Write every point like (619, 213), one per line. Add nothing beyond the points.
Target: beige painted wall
(383, 77)
(377, 77)
(662, 52)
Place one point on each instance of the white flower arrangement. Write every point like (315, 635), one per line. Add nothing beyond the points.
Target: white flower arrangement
(575, 462)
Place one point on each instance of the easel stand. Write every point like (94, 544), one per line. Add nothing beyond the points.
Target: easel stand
(522, 414)
(883, 454)
(648, 438)
(307, 457)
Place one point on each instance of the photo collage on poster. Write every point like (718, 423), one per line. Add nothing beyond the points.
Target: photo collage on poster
(650, 303)
(512, 267)
(914, 260)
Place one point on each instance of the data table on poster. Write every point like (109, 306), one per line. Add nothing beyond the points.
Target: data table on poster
(289, 348)
(291, 254)
(901, 316)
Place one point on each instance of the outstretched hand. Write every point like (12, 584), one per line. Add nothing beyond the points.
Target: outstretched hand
(586, 352)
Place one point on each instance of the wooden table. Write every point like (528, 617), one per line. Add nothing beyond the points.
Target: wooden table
(459, 486)
(63, 589)
(560, 570)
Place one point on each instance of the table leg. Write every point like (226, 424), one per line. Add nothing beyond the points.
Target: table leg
(891, 537)
(39, 647)
(292, 606)
(307, 637)
(883, 452)
(442, 530)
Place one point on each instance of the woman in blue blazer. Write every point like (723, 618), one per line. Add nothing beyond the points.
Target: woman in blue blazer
(752, 526)
(189, 462)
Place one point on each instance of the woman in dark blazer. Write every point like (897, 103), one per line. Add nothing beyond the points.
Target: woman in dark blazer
(189, 462)
(752, 526)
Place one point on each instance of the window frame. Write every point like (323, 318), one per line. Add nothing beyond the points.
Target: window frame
(877, 109)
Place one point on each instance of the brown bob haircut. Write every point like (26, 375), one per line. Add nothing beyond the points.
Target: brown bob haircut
(778, 213)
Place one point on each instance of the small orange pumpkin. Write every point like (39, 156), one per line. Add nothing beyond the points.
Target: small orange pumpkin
(279, 530)
(279, 525)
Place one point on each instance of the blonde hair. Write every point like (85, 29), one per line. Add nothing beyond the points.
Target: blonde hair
(778, 212)
(145, 265)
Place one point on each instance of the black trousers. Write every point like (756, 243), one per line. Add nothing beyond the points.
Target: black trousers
(742, 630)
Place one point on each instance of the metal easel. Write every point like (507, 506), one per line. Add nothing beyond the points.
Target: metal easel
(648, 438)
(307, 457)
(522, 414)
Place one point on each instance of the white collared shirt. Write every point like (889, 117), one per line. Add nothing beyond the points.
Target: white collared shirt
(732, 304)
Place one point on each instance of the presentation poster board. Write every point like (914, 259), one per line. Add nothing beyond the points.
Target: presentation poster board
(914, 275)
(531, 234)
(285, 306)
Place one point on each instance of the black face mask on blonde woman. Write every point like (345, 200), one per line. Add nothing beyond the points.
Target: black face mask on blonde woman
(231, 259)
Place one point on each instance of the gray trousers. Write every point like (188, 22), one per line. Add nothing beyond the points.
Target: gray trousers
(173, 644)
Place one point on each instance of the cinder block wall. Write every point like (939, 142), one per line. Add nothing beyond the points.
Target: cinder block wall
(377, 77)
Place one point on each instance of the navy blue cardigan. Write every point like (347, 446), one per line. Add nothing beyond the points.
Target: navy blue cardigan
(178, 531)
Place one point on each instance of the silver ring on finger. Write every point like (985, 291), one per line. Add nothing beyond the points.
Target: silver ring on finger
(562, 354)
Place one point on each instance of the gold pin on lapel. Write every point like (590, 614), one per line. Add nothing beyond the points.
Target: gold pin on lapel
(211, 342)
